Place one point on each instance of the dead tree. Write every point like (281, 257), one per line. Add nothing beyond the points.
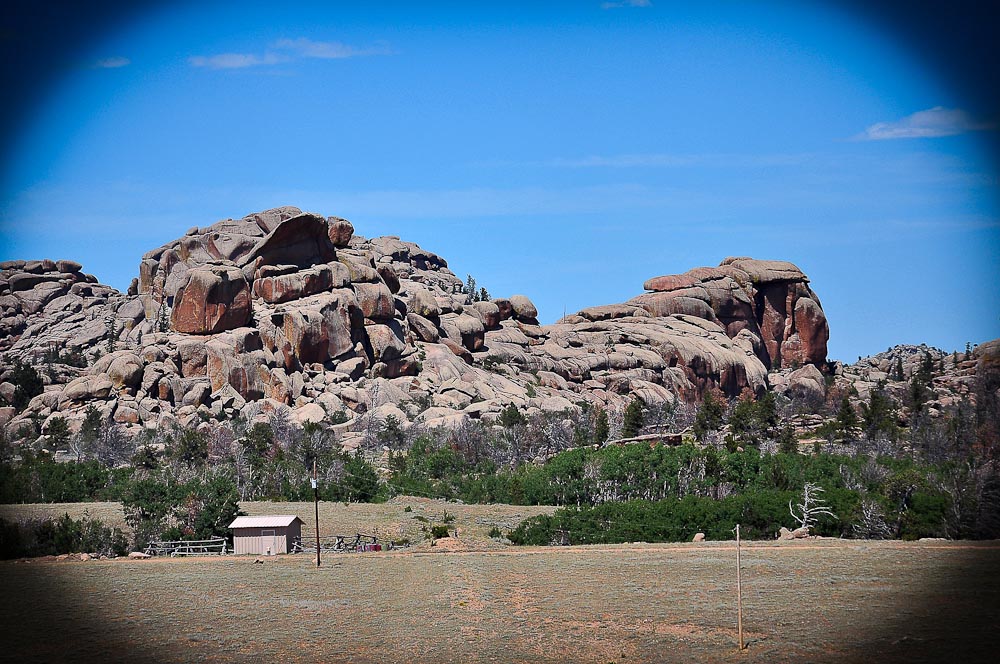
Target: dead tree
(811, 508)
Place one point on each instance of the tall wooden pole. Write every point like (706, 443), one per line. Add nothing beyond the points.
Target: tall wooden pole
(316, 505)
(739, 589)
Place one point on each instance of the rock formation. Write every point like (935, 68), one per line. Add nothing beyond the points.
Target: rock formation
(290, 310)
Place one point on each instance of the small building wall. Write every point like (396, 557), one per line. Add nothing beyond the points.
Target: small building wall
(257, 541)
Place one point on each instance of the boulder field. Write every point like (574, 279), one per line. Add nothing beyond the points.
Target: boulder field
(290, 310)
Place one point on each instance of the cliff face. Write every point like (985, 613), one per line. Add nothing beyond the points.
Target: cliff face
(290, 310)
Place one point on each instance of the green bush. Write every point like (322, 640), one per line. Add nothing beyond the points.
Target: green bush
(761, 515)
(27, 384)
(45, 537)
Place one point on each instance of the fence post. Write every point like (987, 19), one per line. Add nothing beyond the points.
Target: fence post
(316, 505)
(739, 589)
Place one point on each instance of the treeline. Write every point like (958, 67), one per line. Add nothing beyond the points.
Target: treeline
(663, 493)
(185, 491)
(881, 476)
(48, 537)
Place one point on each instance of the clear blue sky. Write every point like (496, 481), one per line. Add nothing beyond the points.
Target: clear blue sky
(567, 151)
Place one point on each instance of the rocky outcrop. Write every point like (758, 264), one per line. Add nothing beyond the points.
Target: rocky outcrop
(286, 309)
(771, 299)
(215, 298)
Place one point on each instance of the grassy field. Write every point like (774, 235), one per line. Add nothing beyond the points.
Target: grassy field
(815, 601)
(399, 518)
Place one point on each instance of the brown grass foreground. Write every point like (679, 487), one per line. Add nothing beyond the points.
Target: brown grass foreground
(821, 600)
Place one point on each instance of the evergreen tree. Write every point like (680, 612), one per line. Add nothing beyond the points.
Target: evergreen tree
(163, 317)
(257, 443)
(92, 425)
(58, 433)
(634, 419)
(190, 448)
(847, 420)
(879, 415)
(112, 334)
(753, 422)
(360, 481)
(709, 417)
(926, 371)
(787, 442)
(511, 417)
(898, 374)
(919, 394)
(27, 384)
(602, 429)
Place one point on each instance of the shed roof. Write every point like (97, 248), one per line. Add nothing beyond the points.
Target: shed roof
(272, 521)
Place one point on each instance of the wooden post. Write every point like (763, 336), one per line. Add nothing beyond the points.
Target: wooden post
(739, 589)
(315, 484)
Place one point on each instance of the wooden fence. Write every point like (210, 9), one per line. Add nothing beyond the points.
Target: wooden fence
(338, 544)
(210, 547)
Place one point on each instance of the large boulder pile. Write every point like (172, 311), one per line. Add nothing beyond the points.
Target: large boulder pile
(290, 310)
(57, 301)
(770, 299)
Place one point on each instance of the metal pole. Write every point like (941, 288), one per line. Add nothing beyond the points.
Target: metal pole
(316, 505)
(739, 589)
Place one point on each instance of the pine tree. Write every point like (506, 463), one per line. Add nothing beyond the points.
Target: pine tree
(898, 374)
(27, 384)
(847, 420)
(634, 419)
(918, 393)
(58, 433)
(926, 371)
(879, 415)
(112, 334)
(602, 429)
(709, 417)
(163, 318)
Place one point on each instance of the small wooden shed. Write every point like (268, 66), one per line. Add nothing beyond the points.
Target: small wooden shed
(265, 535)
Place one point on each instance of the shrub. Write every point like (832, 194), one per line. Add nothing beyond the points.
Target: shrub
(709, 417)
(511, 417)
(338, 417)
(45, 537)
(27, 384)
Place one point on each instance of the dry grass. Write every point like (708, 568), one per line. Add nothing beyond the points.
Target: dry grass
(389, 521)
(821, 600)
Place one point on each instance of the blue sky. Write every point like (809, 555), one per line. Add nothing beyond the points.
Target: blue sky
(567, 151)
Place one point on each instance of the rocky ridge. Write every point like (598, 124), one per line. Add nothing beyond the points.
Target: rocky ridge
(290, 310)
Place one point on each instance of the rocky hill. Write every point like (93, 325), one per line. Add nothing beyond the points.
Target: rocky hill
(290, 310)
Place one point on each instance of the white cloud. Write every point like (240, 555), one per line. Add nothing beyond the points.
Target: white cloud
(287, 50)
(235, 60)
(932, 123)
(307, 48)
(112, 63)
(626, 3)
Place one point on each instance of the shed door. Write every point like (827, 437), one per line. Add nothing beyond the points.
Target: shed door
(267, 542)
